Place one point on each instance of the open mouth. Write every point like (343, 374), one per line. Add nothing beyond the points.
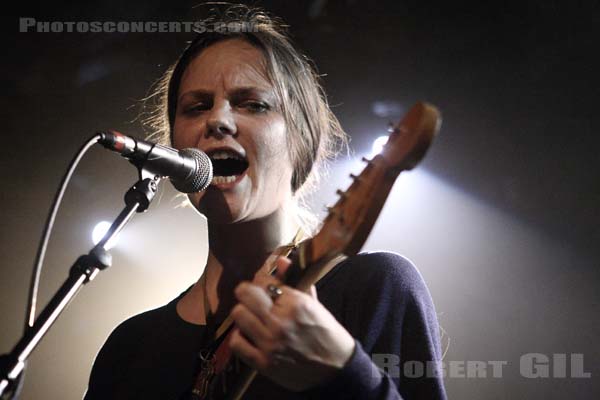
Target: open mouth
(228, 165)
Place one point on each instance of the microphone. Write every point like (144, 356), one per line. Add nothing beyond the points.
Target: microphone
(189, 170)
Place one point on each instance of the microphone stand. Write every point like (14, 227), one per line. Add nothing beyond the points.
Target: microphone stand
(85, 269)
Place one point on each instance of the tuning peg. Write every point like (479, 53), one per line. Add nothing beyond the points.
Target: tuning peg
(341, 193)
(365, 159)
(355, 177)
(390, 128)
(334, 212)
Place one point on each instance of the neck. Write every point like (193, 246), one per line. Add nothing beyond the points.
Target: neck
(238, 251)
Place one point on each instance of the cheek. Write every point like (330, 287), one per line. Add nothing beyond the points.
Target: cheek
(272, 145)
(278, 169)
(182, 136)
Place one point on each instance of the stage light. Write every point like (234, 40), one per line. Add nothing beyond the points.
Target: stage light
(99, 231)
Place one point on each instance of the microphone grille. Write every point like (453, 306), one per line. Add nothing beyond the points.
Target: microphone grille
(201, 178)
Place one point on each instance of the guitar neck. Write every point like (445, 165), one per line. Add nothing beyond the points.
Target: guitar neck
(347, 226)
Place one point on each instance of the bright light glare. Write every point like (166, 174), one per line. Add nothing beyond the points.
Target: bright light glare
(378, 145)
(99, 231)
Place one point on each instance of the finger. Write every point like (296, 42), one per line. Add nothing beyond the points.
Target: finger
(264, 280)
(313, 292)
(297, 306)
(251, 326)
(283, 263)
(247, 352)
(256, 299)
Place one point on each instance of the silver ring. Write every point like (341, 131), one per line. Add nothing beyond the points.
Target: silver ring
(274, 291)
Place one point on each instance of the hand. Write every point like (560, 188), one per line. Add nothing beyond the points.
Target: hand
(294, 340)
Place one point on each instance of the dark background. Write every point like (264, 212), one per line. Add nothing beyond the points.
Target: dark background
(507, 231)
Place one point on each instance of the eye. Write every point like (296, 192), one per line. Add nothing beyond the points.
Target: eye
(255, 106)
(196, 108)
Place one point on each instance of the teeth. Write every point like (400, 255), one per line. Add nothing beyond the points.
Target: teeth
(224, 155)
(219, 180)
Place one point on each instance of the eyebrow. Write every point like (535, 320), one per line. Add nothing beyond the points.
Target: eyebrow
(236, 93)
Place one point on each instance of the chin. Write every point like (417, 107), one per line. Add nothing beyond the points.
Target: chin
(218, 208)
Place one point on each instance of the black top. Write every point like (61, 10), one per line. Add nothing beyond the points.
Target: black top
(380, 298)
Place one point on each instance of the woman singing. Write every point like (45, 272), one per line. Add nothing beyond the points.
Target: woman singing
(252, 102)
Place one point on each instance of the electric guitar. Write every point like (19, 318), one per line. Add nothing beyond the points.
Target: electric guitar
(344, 231)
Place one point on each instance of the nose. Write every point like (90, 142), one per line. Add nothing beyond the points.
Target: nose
(220, 121)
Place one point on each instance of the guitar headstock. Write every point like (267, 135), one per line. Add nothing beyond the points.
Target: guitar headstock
(410, 139)
(351, 219)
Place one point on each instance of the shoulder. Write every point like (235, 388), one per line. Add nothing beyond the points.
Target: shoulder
(381, 270)
(375, 285)
(140, 323)
(135, 345)
(128, 337)
(380, 297)
(154, 320)
(133, 334)
(385, 264)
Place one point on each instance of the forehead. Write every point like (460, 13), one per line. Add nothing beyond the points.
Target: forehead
(226, 65)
